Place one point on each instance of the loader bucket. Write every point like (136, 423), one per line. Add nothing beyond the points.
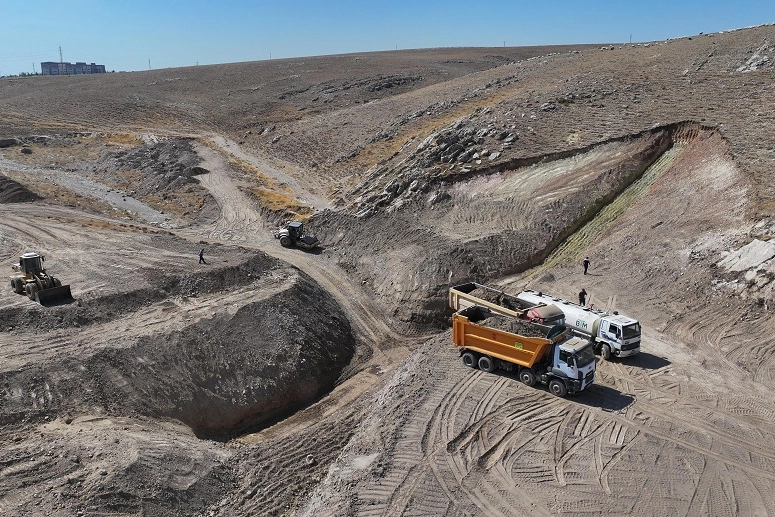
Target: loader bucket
(54, 295)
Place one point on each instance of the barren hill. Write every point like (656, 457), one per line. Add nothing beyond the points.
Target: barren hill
(272, 380)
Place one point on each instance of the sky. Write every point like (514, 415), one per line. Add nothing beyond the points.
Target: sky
(143, 34)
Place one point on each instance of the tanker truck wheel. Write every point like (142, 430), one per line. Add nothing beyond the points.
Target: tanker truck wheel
(486, 364)
(527, 377)
(605, 352)
(468, 359)
(557, 387)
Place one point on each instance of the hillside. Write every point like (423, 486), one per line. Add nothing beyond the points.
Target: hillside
(274, 381)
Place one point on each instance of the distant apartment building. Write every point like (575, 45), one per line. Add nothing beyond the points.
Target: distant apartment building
(55, 68)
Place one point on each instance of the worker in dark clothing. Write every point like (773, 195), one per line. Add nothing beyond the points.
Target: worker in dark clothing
(583, 297)
(202, 256)
(586, 265)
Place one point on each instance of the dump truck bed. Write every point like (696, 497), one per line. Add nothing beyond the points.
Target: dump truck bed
(515, 348)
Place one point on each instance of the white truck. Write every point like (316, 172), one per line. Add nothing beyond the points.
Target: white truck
(612, 333)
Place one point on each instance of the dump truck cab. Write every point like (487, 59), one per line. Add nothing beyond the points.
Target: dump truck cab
(574, 361)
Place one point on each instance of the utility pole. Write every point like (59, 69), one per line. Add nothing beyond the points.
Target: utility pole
(62, 67)
(149, 63)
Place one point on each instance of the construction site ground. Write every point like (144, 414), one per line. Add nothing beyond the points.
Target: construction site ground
(278, 381)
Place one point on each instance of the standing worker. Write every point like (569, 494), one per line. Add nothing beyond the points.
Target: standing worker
(583, 297)
(202, 256)
(586, 265)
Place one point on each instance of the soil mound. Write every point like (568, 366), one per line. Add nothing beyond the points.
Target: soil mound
(220, 376)
(13, 192)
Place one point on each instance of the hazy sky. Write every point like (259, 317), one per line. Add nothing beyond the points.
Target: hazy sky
(126, 35)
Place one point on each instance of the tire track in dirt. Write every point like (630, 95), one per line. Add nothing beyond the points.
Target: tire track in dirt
(667, 386)
(512, 451)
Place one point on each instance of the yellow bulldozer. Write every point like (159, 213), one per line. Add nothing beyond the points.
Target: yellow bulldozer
(30, 277)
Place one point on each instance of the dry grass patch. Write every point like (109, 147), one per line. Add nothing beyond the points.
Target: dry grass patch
(122, 139)
(278, 202)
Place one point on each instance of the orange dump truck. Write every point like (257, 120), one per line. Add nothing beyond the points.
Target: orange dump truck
(558, 359)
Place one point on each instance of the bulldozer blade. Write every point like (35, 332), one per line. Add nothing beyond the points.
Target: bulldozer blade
(54, 295)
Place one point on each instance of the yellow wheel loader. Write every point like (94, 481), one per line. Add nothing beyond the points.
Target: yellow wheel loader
(29, 277)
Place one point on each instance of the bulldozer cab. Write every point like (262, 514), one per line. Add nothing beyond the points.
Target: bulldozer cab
(31, 263)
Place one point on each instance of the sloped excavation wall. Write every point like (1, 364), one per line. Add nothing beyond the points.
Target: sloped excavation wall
(220, 376)
(499, 221)
(230, 374)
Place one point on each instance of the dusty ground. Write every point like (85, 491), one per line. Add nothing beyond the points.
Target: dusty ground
(273, 381)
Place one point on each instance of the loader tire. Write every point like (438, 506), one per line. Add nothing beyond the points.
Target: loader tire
(486, 364)
(468, 359)
(32, 291)
(57, 282)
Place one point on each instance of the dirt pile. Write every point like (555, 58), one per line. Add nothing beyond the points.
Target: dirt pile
(13, 192)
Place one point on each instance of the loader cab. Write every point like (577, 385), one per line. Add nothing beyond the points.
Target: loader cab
(31, 263)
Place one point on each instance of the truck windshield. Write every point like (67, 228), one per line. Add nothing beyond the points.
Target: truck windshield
(631, 331)
(585, 356)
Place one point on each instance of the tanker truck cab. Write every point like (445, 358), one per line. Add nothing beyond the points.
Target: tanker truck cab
(618, 335)
(574, 362)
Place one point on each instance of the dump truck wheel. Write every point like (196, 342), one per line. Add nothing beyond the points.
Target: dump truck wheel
(605, 352)
(527, 377)
(557, 387)
(468, 359)
(285, 241)
(486, 364)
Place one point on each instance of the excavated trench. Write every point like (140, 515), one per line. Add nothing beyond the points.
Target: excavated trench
(221, 376)
(499, 222)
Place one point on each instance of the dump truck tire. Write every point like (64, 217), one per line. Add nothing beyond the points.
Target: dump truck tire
(557, 387)
(468, 359)
(486, 364)
(527, 377)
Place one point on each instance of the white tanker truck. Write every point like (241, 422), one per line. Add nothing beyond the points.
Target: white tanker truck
(612, 333)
